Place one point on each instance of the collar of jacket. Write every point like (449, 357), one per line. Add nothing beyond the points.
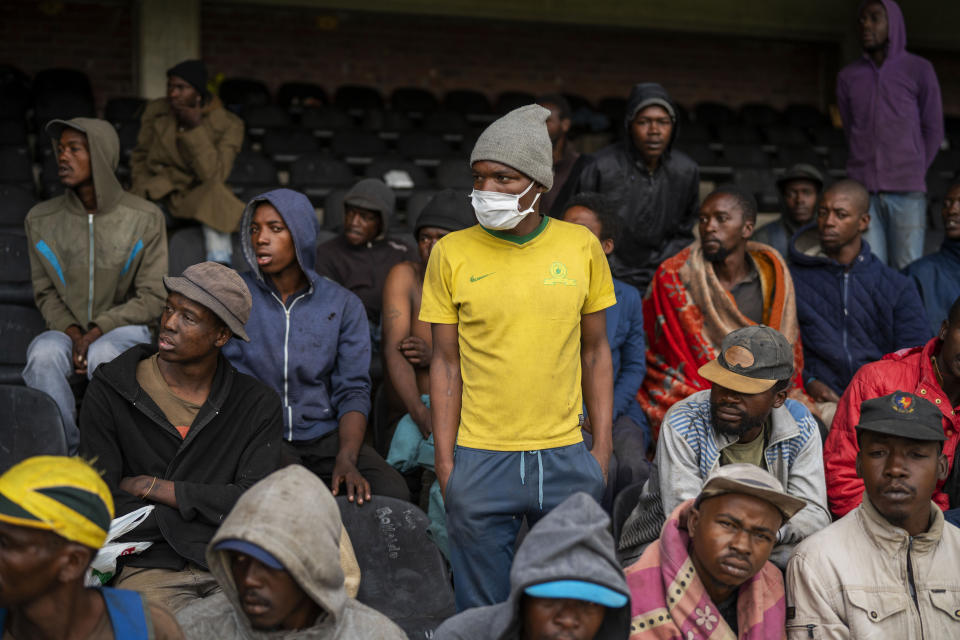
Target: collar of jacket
(782, 427)
(121, 376)
(951, 248)
(891, 539)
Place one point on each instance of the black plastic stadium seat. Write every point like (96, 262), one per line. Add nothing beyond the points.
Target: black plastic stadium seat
(13, 132)
(357, 147)
(762, 184)
(424, 148)
(325, 121)
(16, 167)
(18, 326)
(251, 169)
(694, 133)
(260, 118)
(413, 101)
(297, 96)
(381, 168)
(122, 110)
(239, 94)
(746, 155)
(356, 99)
(759, 115)
(714, 113)
(830, 137)
(785, 135)
(15, 202)
(454, 173)
(316, 174)
(386, 124)
(738, 133)
(789, 156)
(32, 426)
(510, 100)
(286, 145)
(467, 102)
(805, 116)
(15, 284)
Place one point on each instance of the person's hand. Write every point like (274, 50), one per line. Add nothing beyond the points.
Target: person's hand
(189, 115)
(75, 333)
(137, 485)
(81, 346)
(604, 462)
(416, 351)
(423, 420)
(345, 472)
(443, 470)
(821, 392)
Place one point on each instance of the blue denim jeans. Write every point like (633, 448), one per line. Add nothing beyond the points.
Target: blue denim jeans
(898, 222)
(50, 364)
(488, 495)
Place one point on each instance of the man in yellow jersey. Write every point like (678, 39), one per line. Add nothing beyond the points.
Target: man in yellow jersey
(519, 343)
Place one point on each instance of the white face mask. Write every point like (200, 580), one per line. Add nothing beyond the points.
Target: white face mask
(500, 211)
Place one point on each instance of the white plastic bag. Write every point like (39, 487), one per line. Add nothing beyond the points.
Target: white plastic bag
(104, 565)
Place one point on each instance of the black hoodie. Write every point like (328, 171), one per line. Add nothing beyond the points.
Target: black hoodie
(658, 209)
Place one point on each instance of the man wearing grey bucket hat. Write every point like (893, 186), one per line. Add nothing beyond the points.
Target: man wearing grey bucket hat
(181, 429)
(517, 307)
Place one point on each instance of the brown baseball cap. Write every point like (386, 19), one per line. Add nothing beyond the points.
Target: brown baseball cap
(751, 360)
(753, 481)
(218, 288)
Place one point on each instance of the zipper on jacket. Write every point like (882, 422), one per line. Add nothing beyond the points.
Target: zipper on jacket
(912, 584)
(90, 290)
(286, 359)
(846, 319)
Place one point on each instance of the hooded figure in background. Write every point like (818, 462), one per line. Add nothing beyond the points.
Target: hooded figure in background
(97, 259)
(566, 560)
(655, 186)
(361, 257)
(892, 112)
(276, 556)
(310, 343)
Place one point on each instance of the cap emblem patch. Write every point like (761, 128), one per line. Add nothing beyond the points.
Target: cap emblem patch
(902, 403)
(739, 356)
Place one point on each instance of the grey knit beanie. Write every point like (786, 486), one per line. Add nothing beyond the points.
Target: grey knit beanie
(519, 140)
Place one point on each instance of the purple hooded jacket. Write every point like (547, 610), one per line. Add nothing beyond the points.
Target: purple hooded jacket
(892, 114)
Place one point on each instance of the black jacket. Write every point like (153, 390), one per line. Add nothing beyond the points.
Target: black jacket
(233, 442)
(658, 209)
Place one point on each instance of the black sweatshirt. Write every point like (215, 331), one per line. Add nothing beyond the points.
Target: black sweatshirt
(233, 442)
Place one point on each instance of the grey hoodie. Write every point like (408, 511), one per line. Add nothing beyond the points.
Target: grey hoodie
(569, 543)
(293, 516)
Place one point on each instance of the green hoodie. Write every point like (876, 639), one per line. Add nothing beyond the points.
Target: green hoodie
(105, 268)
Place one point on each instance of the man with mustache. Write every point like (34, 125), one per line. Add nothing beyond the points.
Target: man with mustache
(278, 558)
(182, 430)
(97, 256)
(937, 276)
(888, 568)
(697, 297)
(851, 307)
(931, 371)
(745, 417)
(708, 575)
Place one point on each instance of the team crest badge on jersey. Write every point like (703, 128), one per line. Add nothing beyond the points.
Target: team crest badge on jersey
(558, 275)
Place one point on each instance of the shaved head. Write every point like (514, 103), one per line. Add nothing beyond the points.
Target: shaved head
(856, 192)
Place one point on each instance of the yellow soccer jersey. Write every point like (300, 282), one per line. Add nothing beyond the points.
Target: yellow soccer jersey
(517, 302)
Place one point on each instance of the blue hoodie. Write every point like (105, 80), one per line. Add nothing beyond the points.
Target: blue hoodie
(315, 350)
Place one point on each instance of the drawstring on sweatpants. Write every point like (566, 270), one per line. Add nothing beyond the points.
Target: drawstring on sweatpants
(523, 474)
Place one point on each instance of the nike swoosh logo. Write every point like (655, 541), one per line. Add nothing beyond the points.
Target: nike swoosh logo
(475, 278)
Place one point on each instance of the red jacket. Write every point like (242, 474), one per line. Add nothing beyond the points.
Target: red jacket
(905, 370)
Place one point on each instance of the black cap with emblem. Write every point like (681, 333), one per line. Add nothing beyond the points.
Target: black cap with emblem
(902, 414)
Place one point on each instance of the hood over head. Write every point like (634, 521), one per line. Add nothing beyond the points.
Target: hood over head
(104, 158)
(570, 543)
(644, 95)
(448, 210)
(292, 516)
(896, 27)
(375, 195)
(299, 216)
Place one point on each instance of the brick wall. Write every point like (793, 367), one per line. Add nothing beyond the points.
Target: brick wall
(95, 37)
(281, 44)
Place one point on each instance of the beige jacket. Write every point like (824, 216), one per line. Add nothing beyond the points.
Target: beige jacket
(188, 170)
(852, 580)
